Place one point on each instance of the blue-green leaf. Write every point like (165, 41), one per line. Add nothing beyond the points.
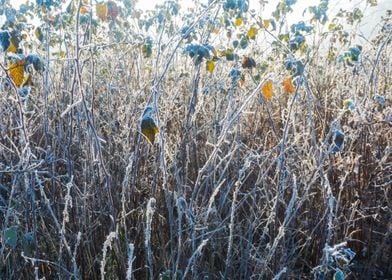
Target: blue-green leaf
(11, 236)
(339, 275)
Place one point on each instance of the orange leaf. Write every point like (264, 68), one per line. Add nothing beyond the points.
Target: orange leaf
(83, 10)
(288, 86)
(16, 72)
(267, 90)
(266, 23)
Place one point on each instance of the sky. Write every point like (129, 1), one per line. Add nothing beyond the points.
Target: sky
(371, 14)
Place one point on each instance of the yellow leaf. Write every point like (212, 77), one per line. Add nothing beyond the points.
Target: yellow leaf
(238, 21)
(11, 48)
(267, 90)
(149, 129)
(16, 72)
(102, 11)
(215, 30)
(288, 86)
(210, 66)
(266, 23)
(252, 32)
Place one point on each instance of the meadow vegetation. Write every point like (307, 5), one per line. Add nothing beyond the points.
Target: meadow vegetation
(272, 157)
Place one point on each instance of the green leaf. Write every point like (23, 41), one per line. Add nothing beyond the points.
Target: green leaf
(146, 50)
(11, 236)
(244, 43)
(165, 275)
(229, 54)
(284, 37)
(28, 243)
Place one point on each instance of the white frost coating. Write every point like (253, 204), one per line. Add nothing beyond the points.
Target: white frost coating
(147, 235)
(107, 244)
(131, 249)
(194, 256)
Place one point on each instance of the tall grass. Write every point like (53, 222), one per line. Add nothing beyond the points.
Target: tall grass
(236, 187)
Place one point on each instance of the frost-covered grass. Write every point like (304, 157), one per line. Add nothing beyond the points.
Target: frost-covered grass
(235, 187)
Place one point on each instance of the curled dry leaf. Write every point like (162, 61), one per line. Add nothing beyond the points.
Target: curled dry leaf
(148, 126)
